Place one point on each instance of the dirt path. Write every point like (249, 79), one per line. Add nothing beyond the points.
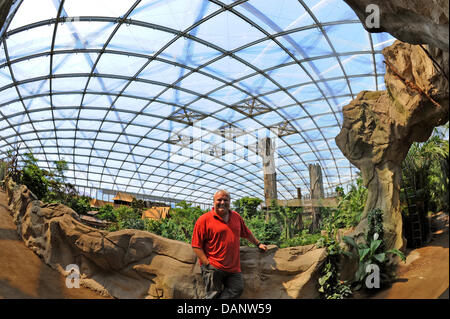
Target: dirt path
(23, 275)
(425, 275)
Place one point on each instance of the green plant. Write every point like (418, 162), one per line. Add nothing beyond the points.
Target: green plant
(267, 231)
(179, 225)
(33, 177)
(351, 205)
(107, 213)
(80, 204)
(330, 286)
(301, 239)
(247, 206)
(128, 218)
(425, 170)
(11, 167)
(372, 251)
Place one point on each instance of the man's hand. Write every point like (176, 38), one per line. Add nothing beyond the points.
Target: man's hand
(262, 247)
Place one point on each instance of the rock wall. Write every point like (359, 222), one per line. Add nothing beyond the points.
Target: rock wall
(139, 264)
(379, 128)
(411, 21)
(5, 5)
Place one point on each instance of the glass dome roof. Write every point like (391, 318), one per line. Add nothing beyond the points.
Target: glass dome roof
(171, 98)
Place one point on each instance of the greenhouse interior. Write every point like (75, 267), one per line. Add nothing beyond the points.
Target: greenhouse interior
(324, 122)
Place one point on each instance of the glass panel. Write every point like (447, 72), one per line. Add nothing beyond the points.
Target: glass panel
(33, 11)
(286, 15)
(73, 63)
(138, 39)
(331, 10)
(257, 85)
(229, 69)
(306, 44)
(199, 83)
(31, 68)
(193, 53)
(175, 14)
(225, 30)
(290, 75)
(128, 65)
(5, 77)
(348, 37)
(264, 55)
(111, 8)
(82, 35)
(28, 42)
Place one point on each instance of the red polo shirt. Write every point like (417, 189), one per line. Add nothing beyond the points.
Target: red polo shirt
(220, 240)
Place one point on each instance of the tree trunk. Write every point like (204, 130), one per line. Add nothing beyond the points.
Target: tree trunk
(315, 177)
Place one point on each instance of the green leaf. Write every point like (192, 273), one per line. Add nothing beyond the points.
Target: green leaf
(350, 241)
(398, 253)
(324, 278)
(374, 245)
(363, 253)
(380, 257)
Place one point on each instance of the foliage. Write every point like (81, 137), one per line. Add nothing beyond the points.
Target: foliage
(33, 177)
(3, 172)
(330, 286)
(10, 167)
(286, 217)
(49, 186)
(267, 231)
(351, 205)
(372, 251)
(426, 171)
(80, 204)
(303, 238)
(106, 212)
(179, 225)
(247, 206)
(128, 218)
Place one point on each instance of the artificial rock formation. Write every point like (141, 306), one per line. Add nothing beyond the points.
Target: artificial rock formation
(379, 127)
(138, 264)
(411, 21)
(5, 5)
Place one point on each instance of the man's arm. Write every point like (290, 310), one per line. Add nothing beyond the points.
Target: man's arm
(201, 255)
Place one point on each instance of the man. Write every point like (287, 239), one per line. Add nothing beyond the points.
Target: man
(215, 241)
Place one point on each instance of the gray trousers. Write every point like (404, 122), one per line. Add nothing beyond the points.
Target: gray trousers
(221, 284)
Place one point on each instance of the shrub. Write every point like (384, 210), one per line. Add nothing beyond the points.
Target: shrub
(107, 213)
(302, 239)
(351, 205)
(373, 251)
(247, 206)
(80, 204)
(268, 232)
(33, 177)
(179, 225)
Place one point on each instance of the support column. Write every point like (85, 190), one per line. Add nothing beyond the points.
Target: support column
(300, 225)
(316, 182)
(270, 176)
(299, 193)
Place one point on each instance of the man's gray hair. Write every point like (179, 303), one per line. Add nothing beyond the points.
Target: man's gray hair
(222, 191)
